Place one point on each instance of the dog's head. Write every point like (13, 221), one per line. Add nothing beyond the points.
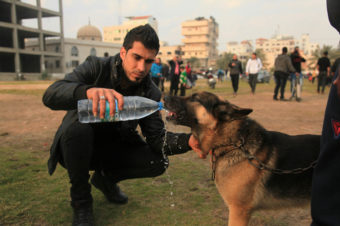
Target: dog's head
(203, 112)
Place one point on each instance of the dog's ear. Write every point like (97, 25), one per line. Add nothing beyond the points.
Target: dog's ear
(226, 112)
(240, 112)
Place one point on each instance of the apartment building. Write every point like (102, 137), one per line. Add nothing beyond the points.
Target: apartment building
(15, 59)
(116, 34)
(200, 40)
(273, 47)
(243, 49)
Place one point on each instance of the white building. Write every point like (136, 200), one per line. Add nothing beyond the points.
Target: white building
(75, 50)
(116, 34)
(243, 49)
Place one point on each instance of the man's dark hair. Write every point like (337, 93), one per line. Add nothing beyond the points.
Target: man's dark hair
(144, 34)
(284, 50)
(325, 53)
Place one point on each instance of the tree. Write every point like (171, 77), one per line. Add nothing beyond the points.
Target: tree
(223, 60)
(194, 62)
(260, 54)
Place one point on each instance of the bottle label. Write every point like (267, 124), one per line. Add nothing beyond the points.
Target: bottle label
(107, 117)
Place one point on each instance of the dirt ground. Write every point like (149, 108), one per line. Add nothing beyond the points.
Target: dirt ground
(26, 122)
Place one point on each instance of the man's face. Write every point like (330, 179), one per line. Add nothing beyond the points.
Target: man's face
(253, 56)
(137, 61)
(235, 57)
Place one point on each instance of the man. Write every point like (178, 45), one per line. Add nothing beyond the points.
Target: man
(297, 59)
(175, 64)
(235, 67)
(324, 68)
(113, 150)
(283, 65)
(253, 67)
(156, 71)
(325, 204)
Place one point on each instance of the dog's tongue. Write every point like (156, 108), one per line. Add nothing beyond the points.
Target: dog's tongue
(172, 114)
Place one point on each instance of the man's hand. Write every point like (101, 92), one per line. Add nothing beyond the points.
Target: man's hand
(100, 95)
(195, 145)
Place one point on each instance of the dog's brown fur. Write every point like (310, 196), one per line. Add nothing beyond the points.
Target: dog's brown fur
(226, 129)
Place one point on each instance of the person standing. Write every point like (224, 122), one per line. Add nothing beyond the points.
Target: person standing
(235, 68)
(253, 68)
(175, 64)
(156, 71)
(297, 59)
(324, 68)
(283, 65)
(165, 75)
(114, 150)
(325, 204)
(183, 80)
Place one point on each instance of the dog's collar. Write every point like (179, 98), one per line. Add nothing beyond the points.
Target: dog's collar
(233, 146)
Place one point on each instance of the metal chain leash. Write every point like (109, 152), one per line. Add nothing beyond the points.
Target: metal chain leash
(260, 165)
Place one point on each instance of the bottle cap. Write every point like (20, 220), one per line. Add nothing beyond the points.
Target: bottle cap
(160, 105)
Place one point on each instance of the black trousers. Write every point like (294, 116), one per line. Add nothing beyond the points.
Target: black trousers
(281, 80)
(182, 88)
(99, 147)
(322, 80)
(174, 85)
(252, 82)
(234, 81)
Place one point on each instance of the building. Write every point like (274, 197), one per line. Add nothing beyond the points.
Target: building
(243, 49)
(89, 32)
(200, 40)
(116, 34)
(167, 52)
(15, 59)
(273, 47)
(88, 43)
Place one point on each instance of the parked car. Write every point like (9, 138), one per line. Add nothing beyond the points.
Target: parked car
(263, 76)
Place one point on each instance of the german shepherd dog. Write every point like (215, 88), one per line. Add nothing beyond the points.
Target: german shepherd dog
(253, 168)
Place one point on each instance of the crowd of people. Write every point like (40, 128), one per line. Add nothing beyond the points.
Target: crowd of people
(287, 67)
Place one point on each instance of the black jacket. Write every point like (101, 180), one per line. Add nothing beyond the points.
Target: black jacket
(107, 73)
(237, 69)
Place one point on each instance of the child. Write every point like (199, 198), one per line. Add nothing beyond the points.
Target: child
(183, 80)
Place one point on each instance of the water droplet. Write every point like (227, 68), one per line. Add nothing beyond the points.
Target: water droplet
(172, 205)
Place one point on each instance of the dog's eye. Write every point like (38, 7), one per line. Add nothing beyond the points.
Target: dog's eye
(195, 120)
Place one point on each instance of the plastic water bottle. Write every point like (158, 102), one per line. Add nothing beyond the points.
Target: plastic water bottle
(135, 107)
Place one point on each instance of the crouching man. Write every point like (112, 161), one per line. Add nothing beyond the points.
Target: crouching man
(113, 150)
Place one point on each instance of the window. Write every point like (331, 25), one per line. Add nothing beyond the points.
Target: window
(74, 51)
(57, 49)
(75, 63)
(93, 52)
(117, 39)
(57, 64)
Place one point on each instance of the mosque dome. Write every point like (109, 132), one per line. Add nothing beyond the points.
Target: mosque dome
(89, 32)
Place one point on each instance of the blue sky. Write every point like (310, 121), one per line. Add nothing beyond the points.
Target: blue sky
(238, 19)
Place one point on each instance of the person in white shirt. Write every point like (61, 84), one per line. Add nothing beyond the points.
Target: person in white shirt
(253, 67)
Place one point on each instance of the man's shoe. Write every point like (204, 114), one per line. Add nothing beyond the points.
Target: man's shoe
(111, 190)
(83, 216)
